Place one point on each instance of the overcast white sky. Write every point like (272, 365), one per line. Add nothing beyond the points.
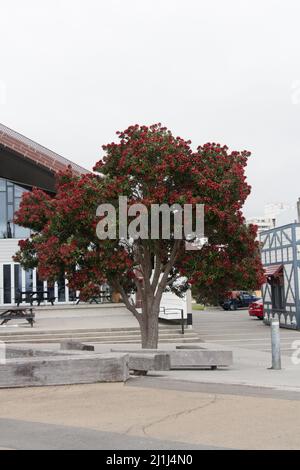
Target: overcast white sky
(72, 72)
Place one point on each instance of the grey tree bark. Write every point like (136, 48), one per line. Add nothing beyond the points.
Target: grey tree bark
(150, 287)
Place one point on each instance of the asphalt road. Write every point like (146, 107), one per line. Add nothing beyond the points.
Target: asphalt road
(27, 435)
(237, 329)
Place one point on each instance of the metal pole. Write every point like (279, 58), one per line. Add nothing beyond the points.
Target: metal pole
(182, 322)
(189, 320)
(275, 337)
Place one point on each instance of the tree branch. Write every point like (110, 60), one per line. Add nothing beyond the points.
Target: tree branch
(163, 283)
(157, 270)
(126, 300)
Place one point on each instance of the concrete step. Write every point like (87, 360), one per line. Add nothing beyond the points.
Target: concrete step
(77, 334)
(33, 331)
(109, 341)
(89, 338)
(97, 336)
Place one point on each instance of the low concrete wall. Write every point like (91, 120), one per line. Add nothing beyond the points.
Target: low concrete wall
(191, 358)
(64, 370)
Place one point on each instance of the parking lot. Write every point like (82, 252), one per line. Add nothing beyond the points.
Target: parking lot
(237, 329)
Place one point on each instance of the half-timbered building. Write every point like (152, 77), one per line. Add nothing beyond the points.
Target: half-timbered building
(280, 250)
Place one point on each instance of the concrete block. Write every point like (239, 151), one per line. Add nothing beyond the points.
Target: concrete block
(193, 358)
(76, 346)
(66, 370)
(141, 363)
(200, 358)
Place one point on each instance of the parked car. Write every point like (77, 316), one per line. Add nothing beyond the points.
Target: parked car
(256, 309)
(237, 300)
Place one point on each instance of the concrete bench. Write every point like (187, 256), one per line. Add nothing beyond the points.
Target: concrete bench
(64, 370)
(138, 362)
(191, 358)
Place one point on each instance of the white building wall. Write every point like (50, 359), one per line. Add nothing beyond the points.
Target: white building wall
(8, 248)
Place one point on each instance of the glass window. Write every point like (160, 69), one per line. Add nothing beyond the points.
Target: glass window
(7, 283)
(51, 292)
(17, 203)
(10, 198)
(61, 290)
(10, 212)
(3, 219)
(18, 281)
(10, 194)
(29, 280)
(21, 232)
(2, 184)
(19, 191)
(39, 283)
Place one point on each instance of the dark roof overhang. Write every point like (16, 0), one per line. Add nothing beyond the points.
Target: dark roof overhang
(35, 152)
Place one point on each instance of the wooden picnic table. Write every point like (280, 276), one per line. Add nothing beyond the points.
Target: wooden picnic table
(35, 296)
(97, 299)
(17, 313)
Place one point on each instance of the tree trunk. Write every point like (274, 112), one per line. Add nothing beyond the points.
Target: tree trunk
(149, 328)
(148, 319)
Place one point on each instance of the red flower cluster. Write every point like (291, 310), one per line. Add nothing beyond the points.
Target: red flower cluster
(148, 165)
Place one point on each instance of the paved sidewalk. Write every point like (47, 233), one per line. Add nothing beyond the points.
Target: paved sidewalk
(238, 330)
(75, 317)
(120, 416)
(27, 435)
(249, 368)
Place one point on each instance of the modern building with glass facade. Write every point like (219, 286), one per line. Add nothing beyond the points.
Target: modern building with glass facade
(24, 164)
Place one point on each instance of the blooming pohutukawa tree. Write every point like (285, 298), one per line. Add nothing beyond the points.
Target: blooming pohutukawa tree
(148, 166)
